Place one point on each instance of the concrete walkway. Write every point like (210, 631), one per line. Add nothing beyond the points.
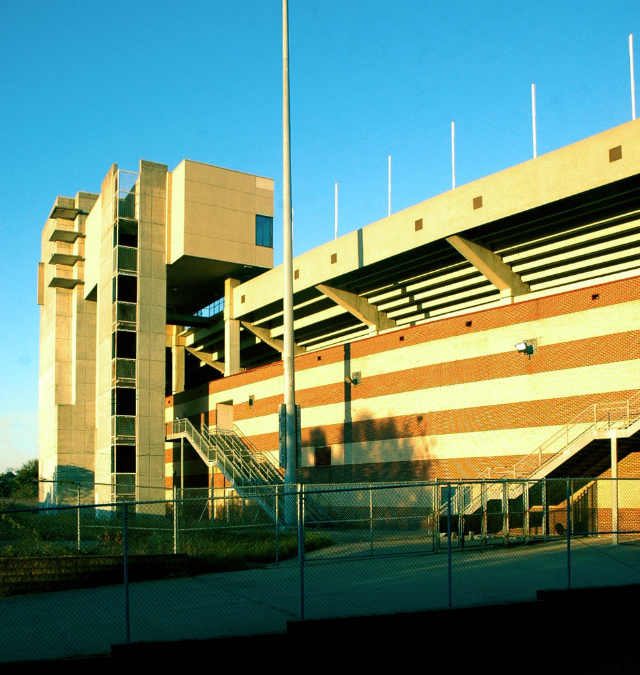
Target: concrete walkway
(88, 621)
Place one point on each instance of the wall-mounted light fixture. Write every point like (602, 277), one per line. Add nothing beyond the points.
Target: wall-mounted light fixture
(355, 378)
(251, 400)
(525, 347)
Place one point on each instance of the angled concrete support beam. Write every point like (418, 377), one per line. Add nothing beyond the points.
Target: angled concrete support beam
(206, 358)
(265, 335)
(360, 307)
(490, 265)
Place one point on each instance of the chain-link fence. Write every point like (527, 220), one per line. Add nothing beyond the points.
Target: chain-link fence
(76, 579)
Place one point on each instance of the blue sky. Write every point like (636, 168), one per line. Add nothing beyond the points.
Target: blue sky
(86, 84)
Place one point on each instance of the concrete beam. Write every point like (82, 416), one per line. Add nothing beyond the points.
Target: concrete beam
(206, 358)
(265, 335)
(490, 265)
(360, 307)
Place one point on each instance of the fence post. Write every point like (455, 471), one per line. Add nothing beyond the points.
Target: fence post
(79, 544)
(460, 504)
(371, 518)
(525, 507)
(545, 510)
(614, 488)
(175, 519)
(484, 515)
(211, 491)
(449, 545)
(568, 533)
(437, 505)
(125, 564)
(505, 513)
(300, 491)
(277, 526)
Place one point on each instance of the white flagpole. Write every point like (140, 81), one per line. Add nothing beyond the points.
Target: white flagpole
(288, 354)
(453, 155)
(633, 82)
(389, 210)
(533, 118)
(336, 212)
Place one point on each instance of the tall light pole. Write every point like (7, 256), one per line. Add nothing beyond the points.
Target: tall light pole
(287, 356)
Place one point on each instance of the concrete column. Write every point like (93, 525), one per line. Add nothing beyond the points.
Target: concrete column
(177, 360)
(231, 331)
(614, 487)
(177, 369)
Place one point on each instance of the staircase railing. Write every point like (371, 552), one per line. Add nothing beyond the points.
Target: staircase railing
(261, 467)
(266, 461)
(251, 468)
(247, 469)
(596, 418)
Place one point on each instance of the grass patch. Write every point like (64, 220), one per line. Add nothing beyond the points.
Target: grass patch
(212, 547)
(224, 550)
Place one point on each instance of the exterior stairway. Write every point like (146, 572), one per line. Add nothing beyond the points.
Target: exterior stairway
(593, 423)
(250, 472)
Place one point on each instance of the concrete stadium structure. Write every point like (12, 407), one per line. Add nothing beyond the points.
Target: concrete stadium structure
(449, 340)
(117, 266)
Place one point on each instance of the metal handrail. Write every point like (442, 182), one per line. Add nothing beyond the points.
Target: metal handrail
(260, 462)
(223, 450)
(240, 455)
(595, 418)
(245, 468)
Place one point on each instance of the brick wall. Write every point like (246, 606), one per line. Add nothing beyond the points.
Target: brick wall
(446, 398)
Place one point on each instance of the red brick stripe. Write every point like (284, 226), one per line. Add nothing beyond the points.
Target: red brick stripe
(610, 293)
(588, 352)
(548, 412)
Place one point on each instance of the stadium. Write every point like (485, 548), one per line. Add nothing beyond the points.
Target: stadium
(489, 332)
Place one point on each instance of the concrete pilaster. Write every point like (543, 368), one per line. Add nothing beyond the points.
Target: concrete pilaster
(151, 329)
(231, 331)
(177, 360)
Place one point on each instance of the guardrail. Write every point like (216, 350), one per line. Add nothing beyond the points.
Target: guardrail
(596, 418)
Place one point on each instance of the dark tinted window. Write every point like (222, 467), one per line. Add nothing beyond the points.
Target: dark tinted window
(264, 231)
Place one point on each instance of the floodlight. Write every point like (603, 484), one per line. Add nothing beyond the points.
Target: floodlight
(525, 347)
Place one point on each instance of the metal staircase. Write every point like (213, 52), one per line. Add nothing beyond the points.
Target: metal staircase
(247, 471)
(595, 422)
(253, 474)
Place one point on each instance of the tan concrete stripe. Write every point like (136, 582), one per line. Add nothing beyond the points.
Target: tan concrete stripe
(552, 305)
(524, 414)
(555, 360)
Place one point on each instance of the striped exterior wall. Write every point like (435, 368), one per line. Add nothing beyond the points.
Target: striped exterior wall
(449, 397)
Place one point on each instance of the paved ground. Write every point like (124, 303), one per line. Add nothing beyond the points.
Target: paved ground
(89, 621)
